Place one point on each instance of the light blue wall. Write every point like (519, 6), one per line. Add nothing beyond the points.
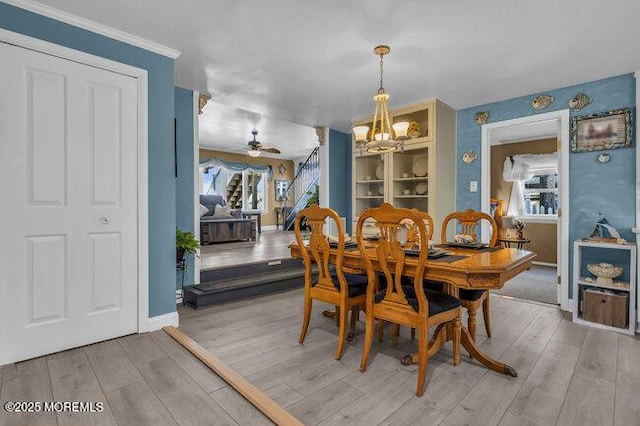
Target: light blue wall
(340, 174)
(162, 215)
(607, 188)
(184, 182)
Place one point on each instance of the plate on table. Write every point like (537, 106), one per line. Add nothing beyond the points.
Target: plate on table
(433, 253)
(476, 245)
(347, 244)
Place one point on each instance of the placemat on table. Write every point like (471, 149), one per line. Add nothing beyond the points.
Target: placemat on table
(450, 258)
(482, 250)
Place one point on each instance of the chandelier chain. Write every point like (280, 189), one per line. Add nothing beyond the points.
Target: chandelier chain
(381, 89)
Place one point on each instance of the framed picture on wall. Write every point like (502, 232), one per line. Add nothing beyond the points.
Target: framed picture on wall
(607, 130)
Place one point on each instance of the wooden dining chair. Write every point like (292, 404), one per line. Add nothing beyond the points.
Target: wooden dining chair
(413, 238)
(345, 291)
(409, 305)
(469, 221)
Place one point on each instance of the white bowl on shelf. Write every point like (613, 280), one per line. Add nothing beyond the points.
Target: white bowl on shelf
(605, 272)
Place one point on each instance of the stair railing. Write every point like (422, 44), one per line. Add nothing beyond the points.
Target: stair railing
(303, 182)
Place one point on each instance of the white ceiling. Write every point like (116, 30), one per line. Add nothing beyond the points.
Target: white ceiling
(311, 62)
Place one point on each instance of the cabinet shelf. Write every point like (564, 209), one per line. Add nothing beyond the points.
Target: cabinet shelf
(370, 197)
(411, 196)
(411, 179)
(363, 182)
(622, 285)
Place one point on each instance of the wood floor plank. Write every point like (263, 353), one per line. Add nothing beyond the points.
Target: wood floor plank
(241, 410)
(627, 408)
(570, 333)
(136, 404)
(486, 402)
(414, 412)
(589, 400)
(591, 394)
(316, 407)
(200, 373)
(540, 398)
(112, 366)
(378, 403)
(26, 381)
(283, 394)
(512, 420)
(184, 399)
(141, 349)
(73, 379)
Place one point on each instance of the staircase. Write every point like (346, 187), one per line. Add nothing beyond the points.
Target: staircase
(302, 187)
(234, 191)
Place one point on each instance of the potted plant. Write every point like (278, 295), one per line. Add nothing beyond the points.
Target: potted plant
(519, 226)
(186, 243)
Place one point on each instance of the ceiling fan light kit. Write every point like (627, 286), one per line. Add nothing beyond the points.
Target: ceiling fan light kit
(383, 136)
(256, 147)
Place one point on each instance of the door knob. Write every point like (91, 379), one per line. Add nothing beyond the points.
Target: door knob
(105, 220)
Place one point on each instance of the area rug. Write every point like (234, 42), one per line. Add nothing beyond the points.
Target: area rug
(538, 283)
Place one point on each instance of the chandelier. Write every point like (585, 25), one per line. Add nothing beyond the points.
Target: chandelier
(383, 136)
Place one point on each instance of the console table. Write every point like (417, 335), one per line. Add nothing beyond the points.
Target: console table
(249, 214)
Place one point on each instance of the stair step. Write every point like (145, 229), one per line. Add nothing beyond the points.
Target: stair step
(242, 287)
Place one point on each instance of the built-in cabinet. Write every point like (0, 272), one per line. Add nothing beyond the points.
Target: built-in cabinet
(422, 176)
(611, 306)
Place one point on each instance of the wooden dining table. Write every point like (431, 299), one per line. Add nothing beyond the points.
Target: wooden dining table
(485, 269)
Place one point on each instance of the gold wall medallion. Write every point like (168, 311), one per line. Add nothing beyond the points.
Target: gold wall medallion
(469, 157)
(579, 101)
(542, 101)
(482, 117)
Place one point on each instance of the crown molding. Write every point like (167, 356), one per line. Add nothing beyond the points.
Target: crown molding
(94, 27)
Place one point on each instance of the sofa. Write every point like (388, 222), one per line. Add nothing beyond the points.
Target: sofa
(219, 228)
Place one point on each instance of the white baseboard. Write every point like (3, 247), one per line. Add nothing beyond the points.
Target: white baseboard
(157, 322)
(268, 227)
(552, 265)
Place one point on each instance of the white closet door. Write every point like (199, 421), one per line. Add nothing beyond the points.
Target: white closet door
(68, 185)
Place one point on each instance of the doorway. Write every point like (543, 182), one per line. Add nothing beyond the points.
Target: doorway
(543, 193)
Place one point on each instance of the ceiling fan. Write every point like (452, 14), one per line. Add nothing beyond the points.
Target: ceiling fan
(255, 147)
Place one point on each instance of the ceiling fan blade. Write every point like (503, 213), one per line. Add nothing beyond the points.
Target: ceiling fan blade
(270, 149)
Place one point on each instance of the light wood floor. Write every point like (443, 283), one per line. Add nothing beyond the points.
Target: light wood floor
(270, 245)
(568, 374)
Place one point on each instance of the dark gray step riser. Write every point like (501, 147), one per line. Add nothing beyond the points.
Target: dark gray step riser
(198, 301)
(249, 269)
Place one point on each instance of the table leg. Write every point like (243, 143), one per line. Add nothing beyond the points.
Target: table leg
(475, 352)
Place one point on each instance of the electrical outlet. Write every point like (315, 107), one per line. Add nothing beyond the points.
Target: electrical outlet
(473, 186)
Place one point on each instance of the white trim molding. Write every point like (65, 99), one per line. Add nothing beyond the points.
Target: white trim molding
(94, 27)
(562, 119)
(636, 229)
(196, 183)
(156, 323)
(143, 124)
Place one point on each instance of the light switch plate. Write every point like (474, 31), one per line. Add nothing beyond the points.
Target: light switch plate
(473, 186)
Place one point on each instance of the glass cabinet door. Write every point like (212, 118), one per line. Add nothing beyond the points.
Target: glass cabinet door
(370, 174)
(410, 179)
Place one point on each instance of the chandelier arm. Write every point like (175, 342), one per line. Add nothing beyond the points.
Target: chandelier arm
(386, 111)
(375, 121)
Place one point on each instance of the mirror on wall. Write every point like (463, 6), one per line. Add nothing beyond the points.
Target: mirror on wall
(281, 188)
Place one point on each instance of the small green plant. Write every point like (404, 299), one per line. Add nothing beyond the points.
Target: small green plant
(313, 199)
(186, 243)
